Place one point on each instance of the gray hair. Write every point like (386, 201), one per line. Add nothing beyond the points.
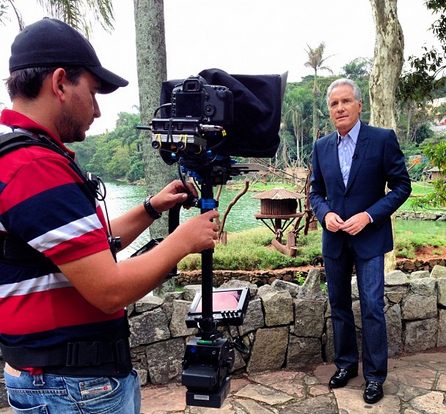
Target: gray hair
(344, 81)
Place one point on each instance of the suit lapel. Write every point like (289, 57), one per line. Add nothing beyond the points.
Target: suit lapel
(359, 155)
(334, 158)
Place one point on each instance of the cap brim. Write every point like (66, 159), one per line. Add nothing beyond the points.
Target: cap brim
(109, 81)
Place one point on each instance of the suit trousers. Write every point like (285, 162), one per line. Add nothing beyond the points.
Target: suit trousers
(370, 279)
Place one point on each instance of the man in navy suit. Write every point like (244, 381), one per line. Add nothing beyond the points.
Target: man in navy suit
(351, 169)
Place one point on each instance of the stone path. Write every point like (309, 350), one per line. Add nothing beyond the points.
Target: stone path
(416, 384)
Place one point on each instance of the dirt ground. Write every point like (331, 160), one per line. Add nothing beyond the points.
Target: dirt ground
(423, 254)
(429, 252)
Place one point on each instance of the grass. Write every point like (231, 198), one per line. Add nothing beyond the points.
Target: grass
(259, 186)
(251, 249)
(419, 188)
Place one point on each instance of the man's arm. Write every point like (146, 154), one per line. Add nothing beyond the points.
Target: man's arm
(131, 224)
(318, 191)
(110, 286)
(397, 178)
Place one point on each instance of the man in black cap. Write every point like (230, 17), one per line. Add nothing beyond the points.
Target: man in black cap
(63, 330)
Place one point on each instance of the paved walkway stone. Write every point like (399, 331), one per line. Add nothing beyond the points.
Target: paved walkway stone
(416, 384)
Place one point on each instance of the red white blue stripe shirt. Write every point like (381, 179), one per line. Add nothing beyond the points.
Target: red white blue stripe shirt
(45, 202)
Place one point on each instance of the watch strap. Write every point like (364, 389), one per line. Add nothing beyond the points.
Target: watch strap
(149, 208)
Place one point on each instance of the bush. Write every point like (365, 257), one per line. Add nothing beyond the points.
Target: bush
(252, 250)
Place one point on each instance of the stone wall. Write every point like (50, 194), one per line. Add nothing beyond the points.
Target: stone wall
(420, 215)
(286, 325)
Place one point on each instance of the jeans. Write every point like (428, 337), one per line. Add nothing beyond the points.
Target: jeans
(370, 278)
(54, 394)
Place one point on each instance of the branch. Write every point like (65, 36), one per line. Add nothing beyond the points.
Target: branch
(230, 205)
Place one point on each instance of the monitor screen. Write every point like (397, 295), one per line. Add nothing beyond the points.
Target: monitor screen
(224, 300)
(228, 307)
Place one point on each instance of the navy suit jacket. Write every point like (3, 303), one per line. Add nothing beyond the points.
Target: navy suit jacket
(377, 162)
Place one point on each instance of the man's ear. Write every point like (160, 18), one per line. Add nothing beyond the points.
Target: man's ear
(59, 82)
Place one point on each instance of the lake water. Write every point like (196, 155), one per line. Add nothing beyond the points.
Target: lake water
(122, 197)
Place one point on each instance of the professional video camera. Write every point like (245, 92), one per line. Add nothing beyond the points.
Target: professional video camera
(207, 118)
(204, 121)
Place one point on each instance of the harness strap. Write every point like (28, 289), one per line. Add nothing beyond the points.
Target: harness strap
(106, 358)
(15, 251)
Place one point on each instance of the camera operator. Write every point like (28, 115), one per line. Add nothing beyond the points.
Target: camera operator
(63, 331)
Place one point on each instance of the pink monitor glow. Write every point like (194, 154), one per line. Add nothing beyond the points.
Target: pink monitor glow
(228, 307)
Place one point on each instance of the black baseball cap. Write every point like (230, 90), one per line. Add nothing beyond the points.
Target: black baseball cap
(51, 42)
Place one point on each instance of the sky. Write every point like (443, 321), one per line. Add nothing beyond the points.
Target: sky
(238, 36)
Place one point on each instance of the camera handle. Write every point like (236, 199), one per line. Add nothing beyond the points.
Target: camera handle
(207, 325)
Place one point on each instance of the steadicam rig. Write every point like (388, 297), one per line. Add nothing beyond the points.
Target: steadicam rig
(204, 121)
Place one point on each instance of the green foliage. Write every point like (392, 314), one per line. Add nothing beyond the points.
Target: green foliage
(404, 249)
(416, 172)
(436, 153)
(114, 155)
(357, 69)
(422, 81)
(3, 10)
(79, 14)
(407, 241)
(423, 133)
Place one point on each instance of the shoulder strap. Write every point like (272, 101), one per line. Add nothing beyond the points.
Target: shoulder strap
(14, 250)
(20, 138)
(11, 141)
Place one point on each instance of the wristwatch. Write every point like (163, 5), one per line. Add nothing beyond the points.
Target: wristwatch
(149, 208)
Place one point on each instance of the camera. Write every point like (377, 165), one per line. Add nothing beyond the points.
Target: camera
(210, 104)
(197, 115)
(210, 117)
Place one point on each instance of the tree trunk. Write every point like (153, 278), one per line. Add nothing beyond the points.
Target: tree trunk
(152, 71)
(387, 65)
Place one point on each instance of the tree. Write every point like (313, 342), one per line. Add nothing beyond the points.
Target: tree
(315, 61)
(436, 198)
(72, 12)
(152, 71)
(424, 77)
(387, 63)
(387, 66)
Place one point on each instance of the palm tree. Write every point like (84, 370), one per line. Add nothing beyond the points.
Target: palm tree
(315, 61)
(358, 68)
(72, 12)
(293, 115)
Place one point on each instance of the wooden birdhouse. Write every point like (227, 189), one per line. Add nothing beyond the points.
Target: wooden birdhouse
(281, 207)
(280, 203)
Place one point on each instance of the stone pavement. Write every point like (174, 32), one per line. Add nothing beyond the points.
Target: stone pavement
(416, 384)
